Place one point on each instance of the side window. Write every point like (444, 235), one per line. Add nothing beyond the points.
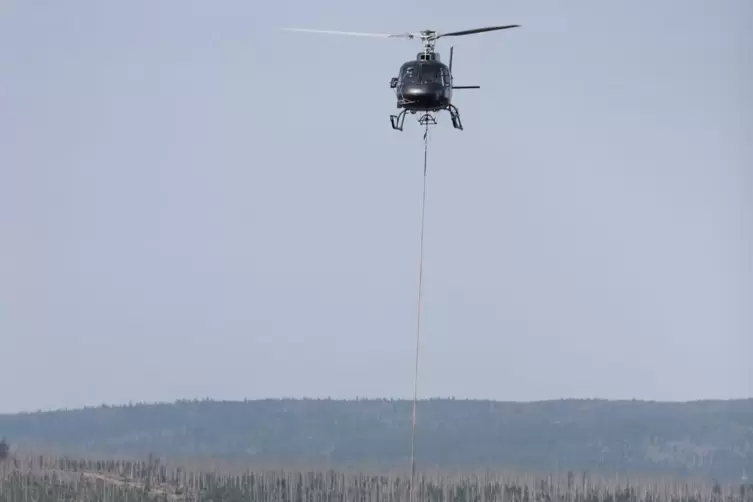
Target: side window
(409, 74)
(446, 80)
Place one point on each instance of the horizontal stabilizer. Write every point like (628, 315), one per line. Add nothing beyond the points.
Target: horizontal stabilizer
(466, 87)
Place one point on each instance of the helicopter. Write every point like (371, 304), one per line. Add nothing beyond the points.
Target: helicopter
(423, 85)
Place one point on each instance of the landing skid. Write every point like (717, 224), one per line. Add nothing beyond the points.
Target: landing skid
(427, 118)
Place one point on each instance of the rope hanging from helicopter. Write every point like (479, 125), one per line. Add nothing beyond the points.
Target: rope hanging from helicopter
(427, 39)
(418, 317)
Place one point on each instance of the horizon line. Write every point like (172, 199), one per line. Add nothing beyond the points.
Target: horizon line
(356, 399)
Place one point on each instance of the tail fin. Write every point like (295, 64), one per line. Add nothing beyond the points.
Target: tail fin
(452, 50)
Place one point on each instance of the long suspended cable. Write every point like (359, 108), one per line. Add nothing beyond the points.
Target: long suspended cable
(418, 321)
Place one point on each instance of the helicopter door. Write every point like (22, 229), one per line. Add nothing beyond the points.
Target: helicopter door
(446, 78)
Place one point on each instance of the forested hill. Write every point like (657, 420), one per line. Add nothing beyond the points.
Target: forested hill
(709, 438)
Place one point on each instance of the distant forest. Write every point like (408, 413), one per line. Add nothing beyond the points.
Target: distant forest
(711, 439)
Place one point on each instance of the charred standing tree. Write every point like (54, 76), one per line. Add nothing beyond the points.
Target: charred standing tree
(4, 449)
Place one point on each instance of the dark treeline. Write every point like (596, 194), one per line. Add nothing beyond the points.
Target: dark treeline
(713, 439)
(44, 478)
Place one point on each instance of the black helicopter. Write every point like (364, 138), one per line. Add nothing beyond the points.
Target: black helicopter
(425, 84)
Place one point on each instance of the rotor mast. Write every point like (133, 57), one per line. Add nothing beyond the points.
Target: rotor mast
(428, 39)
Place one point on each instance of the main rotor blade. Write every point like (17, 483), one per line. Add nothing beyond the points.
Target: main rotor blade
(354, 33)
(476, 30)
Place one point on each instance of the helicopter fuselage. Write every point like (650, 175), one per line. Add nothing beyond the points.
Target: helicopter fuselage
(423, 85)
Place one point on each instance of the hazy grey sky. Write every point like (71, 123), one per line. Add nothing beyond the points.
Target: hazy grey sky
(195, 203)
